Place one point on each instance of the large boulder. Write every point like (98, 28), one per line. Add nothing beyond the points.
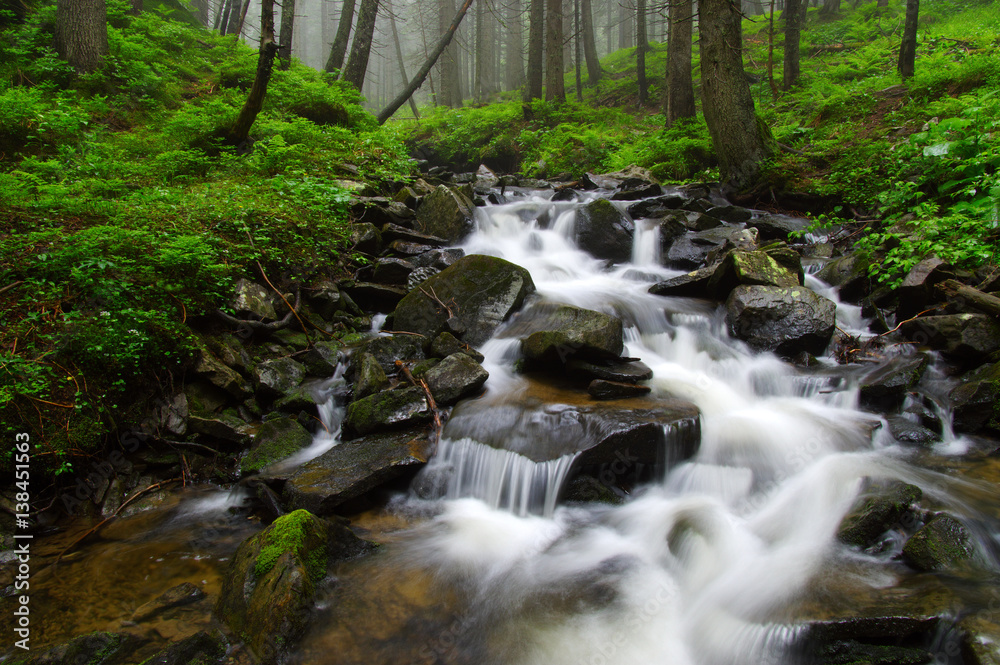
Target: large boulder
(252, 299)
(885, 387)
(219, 375)
(455, 377)
(276, 439)
(447, 213)
(553, 334)
(388, 409)
(604, 231)
(693, 284)
(966, 338)
(850, 274)
(279, 376)
(353, 468)
(916, 291)
(777, 227)
(786, 320)
(943, 542)
(695, 249)
(657, 207)
(879, 512)
(976, 402)
(470, 298)
(387, 349)
(756, 267)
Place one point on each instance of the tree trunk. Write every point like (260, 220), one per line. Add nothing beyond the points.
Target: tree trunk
(285, 35)
(243, 19)
(515, 44)
(590, 43)
(81, 33)
(399, 56)
(793, 33)
(426, 67)
(908, 48)
(830, 7)
(577, 51)
(641, 44)
(357, 63)
(738, 137)
(536, 49)
(680, 86)
(339, 49)
(770, 53)
(136, 7)
(240, 133)
(478, 91)
(626, 31)
(555, 88)
(449, 87)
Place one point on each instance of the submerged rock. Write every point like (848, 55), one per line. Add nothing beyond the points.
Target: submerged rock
(604, 231)
(178, 596)
(553, 334)
(941, 543)
(878, 513)
(202, 648)
(96, 648)
(786, 320)
(455, 377)
(481, 292)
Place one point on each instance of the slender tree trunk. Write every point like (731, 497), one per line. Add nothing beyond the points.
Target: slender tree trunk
(399, 56)
(680, 86)
(626, 29)
(641, 45)
(478, 92)
(136, 7)
(908, 47)
(243, 19)
(423, 38)
(515, 46)
(448, 72)
(339, 49)
(357, 63)
(770, 53)
(739, 138)
(218, 15)
(227, 11)
(590, 43)
(536, 49)
(578, 51)
(81, 33)
(285, 35)
(830, 7)
(240, 133)
(793, 33)
(555, 88)
(426, 67)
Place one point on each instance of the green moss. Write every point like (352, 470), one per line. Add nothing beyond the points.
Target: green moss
(291, 533)
(276, 440)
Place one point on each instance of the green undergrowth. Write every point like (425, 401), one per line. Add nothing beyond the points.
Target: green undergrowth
(125, 217)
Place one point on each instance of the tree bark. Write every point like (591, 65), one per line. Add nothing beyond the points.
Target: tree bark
(594, 70)
(536, 49)
(908, 47)
(641, 44)
(515, 44)
(478, 90)
(830, 7)
(770, 53)
(399, 56)
(285, 35)
(793, 33)
(81, 33)
(680, 85)
(240, 133)
(449, 87)
(577, 51)
(338, 51)
(739, 138)
(555, 87)
(357, 63)
(243, 19)
(425, 69)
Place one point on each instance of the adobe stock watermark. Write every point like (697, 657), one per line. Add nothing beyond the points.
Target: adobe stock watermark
(22, 539)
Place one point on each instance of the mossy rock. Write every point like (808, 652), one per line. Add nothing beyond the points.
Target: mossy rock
(604, 231)
(455, 377)
(876, 514)
(557, 333)
(371, 377)
(942, 543)
(446, 213)
(756, 267)
(388, 409)
(388, 349)
(202, 648)
(97, 648)
(276, 440)
(321, 112)
(976, 402)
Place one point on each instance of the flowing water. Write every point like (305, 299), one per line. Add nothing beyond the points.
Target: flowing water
(720, 559)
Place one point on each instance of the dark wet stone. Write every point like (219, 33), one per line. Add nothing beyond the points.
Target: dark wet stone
(392, 271)
(786, 320)
(371, 377)
(565, 194)
(908, 432)
(852, 652)
(387, 349)
(252, 300)
(366, 238)
(690, 285)
(966, 338)
(454, 378)
(885, 388)
(603, 231)
(222, 427)
(749, 268)
(278, 377)
(850, 273)
(482, 292)
(388, 409)
(354, 468)
(447, 213)
(943, 542)
(219, 375)
(730, 214)
(178, 596)
(916, 291)
(587, 489)
(655, 208)
(777, 227)
(202, 648)
(693, 250)
(446, 344)
(608, 390)
(438, 258)
(553, 334)
(408, 249)
(375, 297)
(276, 439)
(97, 648)
(883, 510)
(670, 230)
(392, 233)
(623, 372)
(633, 189)
(976, 402)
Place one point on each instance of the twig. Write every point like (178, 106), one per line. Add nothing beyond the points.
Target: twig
(427, 391)
(434, 296)
(285, 300)
(887, 332)
(12, 285)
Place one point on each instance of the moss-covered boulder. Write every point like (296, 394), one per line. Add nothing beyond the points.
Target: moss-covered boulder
(219, 375)
(371, 377)
(965, 338)
(446, 213)
(252, 299)
(943, 542)
(786, 320)
(756, 267)
(850, 273)
(976, 401)
(455, 377)
(387, 410)
(276, 440)
(885, 387)
(268, 590)
(554, 334)
(386, 350)
(470, 298)
(446, 344)
(877, 513)
(97, 648)
(604, 231)
(279, 376)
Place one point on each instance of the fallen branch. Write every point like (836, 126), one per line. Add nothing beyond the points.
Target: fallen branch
(430, 398)
(434, 296)
(285, 300)
(984, 302)
(12, 285)
(913, 318)
(256, 326)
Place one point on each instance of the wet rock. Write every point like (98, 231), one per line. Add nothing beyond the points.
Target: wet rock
(908, 432)
(174, 415)
(354, 468)
(632, 371)
(371, 377)
(697, 221)
(553, 334)
(231, 352)
(279, 376)
(438, 258)
(408, 196)
(777, 227)
(883, 510)
(221, 376)
(392, 271)
(276, 439)
(419, 276)
(456, 377)
(388, 409)
(392, 233)
(916, 291)
(852, 652)
(603, 389)
(670, 230)
(446, 344)
(730, 214)
(693, 250)
(221, 427)
(202, 648)
(97, 648)
(587, 489)
(408, 249)
(655, 208)
(850, 273)
(690, 285)
(321, 360)
(885, 388)
(366, 238)
(376, 297)
(786, 320)
(749, 268)
(966, 338)
(633, 189)
(178, 596)
(604, 231)
(981, 635)
(252, 299)
(447, 213)
(379, 211)
(976, 402)
(268, 590)
(388, 349)
(941, 543)
(788, 258)
(481, 292)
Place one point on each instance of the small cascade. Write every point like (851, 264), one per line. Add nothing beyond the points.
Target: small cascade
(331, 415)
